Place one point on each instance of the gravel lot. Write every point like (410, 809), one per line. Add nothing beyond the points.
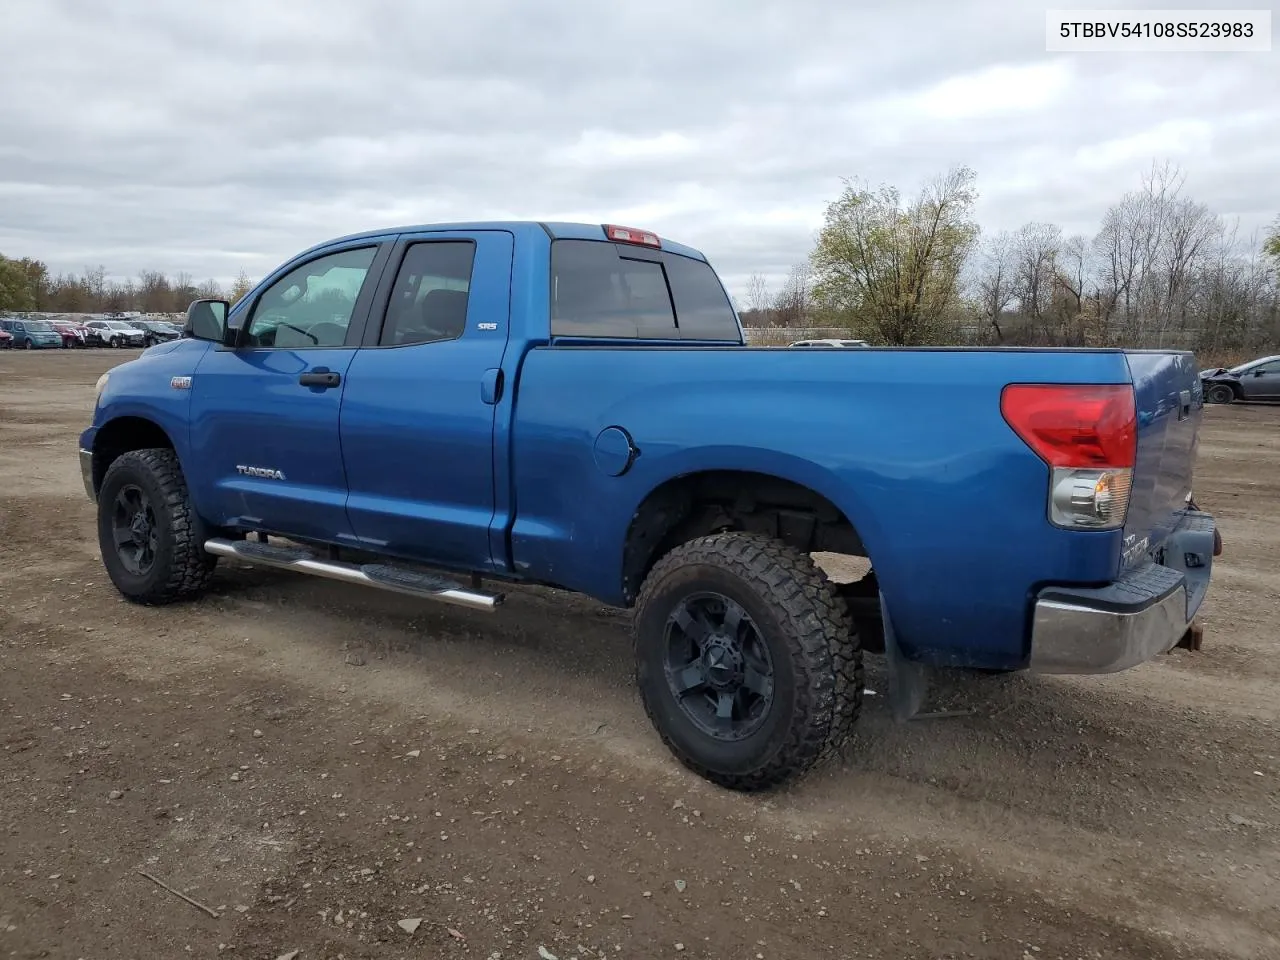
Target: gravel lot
(316, 763)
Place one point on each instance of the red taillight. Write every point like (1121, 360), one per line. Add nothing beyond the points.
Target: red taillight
(631, 235)
(1070, 425)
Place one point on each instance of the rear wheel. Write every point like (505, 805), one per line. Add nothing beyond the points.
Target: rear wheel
(747, 661)
(151, 540)
(1220, 393)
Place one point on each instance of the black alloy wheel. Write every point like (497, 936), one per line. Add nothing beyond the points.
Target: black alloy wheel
(133, 528)
(718, 666)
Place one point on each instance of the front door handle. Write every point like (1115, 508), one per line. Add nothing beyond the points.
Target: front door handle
(320, 378)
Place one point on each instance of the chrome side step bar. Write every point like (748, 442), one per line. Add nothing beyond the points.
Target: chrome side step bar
(426, 586)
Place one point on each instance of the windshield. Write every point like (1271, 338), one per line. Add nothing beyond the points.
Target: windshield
(40, 326)
(119, 325)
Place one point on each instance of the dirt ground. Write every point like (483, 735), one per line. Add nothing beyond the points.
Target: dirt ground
(315, 763)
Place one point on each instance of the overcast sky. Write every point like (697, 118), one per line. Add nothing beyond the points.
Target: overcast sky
(208, 136)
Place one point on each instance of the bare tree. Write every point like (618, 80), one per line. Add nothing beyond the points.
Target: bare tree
(792, 303)
(995, 281)
(757, 294)
(1037, 248)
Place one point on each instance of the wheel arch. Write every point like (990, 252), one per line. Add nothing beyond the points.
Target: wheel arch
(801, 511)
(122, 434)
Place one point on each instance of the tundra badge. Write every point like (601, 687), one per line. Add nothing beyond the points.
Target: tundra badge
(265, 473)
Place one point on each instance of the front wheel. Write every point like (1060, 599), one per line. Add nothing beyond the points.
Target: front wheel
(748, 663)
(1220, 393)
(30, 344)
(151, 540)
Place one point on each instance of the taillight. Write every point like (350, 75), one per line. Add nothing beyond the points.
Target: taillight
(1088, 435)
(644, 238)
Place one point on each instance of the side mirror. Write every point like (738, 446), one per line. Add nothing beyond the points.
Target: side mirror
(207, 320)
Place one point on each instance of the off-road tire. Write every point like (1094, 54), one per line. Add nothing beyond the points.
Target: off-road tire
(181, 569)
(1220, 393)
(815, 651)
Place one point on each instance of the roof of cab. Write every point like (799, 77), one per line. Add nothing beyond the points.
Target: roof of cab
(555, 230)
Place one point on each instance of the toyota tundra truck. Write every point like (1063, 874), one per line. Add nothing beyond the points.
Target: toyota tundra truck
(441, 410)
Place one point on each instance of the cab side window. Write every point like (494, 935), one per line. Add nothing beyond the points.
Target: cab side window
(311, 305)
(430, 295)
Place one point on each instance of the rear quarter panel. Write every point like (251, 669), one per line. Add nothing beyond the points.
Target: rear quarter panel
(909, 444)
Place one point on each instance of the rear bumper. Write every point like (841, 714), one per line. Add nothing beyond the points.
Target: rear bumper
(1139, 616)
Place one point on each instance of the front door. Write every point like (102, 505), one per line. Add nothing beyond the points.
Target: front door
(264, 414)
(419, 412)
(1262, 382)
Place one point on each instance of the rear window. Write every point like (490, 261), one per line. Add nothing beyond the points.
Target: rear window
(601, 289)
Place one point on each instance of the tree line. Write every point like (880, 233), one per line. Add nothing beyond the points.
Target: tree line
(27, 285)
(1163, 270)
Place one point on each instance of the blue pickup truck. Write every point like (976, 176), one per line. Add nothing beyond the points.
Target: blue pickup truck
(436, 410)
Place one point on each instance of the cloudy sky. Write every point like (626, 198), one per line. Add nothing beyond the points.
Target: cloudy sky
(208, 136)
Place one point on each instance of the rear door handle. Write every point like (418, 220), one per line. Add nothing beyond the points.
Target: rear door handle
(320, 378)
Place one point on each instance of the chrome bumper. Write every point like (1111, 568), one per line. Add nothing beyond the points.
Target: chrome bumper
(1140, 616)
(86, 473)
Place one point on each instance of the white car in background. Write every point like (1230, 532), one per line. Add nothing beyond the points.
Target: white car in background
(829, 343)
(117, 333)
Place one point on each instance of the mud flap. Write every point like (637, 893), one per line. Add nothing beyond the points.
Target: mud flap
(908, 679)
(1192, 639)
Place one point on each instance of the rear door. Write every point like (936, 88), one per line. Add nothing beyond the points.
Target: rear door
(423, 396)
(1170, 402)
(264, 415)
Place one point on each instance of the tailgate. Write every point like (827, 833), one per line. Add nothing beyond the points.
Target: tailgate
(1169, 401)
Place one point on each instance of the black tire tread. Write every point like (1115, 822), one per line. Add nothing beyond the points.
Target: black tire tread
(830, 662)
(192, 567)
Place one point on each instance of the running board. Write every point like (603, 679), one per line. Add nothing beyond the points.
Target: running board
(426, 586)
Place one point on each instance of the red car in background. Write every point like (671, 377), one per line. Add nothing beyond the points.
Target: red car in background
(73, 334)
(6, 339)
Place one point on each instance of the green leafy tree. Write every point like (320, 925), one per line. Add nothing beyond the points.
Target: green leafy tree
(1271, 246)
(893, 270)
(15, 291)
(241, 286)
(24, 284)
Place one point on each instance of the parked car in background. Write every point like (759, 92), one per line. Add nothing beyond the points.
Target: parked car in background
(32, 334)
(156, 331)
(6, 339)
(73, 334)
(118, 333)
(1256, 380)
(829, 343)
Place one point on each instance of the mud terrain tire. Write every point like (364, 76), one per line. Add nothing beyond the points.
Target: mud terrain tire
(743, 605)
